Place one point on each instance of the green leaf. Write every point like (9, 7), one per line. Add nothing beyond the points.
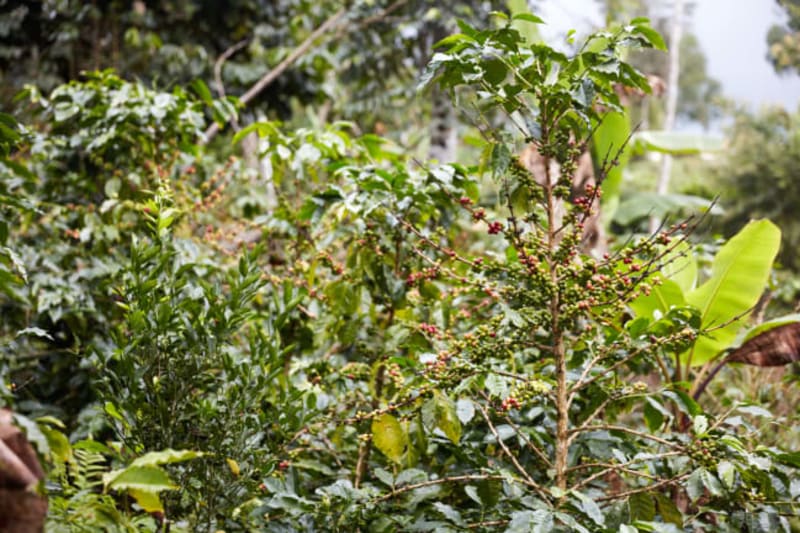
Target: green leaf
(200, 87)
(652, 36)
(684, 402)
(166, 457)
(58, 443)
(465, 410)
(36, 332)
(681, 267)
(791, 459)
(454, 39)
(668, 510)
(754, 410)
(739, 274)
(528, 17)
(112, 411)
(608, 140)
(263, 129)
(446, 417)
(148, 501)
(711, 483)
(501, 160)
(661, 298)
(497, 386)
(674, 143)
(653, 415)
(389, 437)
(495, 71)
(694, 485)
(642, 205)
(641, 506)
(727, 473)
(590, 507)
(451, 514)
(700, 425)
(151, 479)
(33, 432)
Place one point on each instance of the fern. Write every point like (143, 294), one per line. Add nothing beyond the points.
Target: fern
(77, 501)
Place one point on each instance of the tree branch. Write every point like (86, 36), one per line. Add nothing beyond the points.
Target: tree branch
(273, 74)
(431, 482)
(221, 61)
(528, 480)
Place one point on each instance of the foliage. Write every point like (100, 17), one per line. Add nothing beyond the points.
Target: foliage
(388, 348)
(784, 39)
(758, 177)
(700, 95)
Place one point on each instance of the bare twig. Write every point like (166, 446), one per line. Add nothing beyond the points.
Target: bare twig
(623, 429)
(528, 480)
(221, 61)
(407, 488)
(273, 74)
(488, 523)
(296, 54)
(647, 488)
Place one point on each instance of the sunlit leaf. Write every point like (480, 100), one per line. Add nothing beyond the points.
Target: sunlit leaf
(739, 274)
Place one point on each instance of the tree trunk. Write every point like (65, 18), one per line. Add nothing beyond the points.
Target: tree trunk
(675, 36)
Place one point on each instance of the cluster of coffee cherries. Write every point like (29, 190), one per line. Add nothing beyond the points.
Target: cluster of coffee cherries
(424, 274)
(523, 393)
(705, 452)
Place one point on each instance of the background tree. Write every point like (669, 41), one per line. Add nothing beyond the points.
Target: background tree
(784, 39)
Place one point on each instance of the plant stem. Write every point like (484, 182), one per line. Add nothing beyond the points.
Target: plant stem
(559, 353)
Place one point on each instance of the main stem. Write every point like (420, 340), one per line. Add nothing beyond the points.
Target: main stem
(559, 355)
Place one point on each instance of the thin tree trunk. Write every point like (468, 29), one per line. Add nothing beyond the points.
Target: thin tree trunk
(675, 36)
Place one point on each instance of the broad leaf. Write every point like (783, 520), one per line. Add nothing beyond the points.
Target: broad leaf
(165, 457)
(149, 501)
(668, 510)
(771, 324)
(389, 437)
(675, 143)
(681, 267)
(661, 298)
(143, 478)
(643, 205)
(609, 138)
(641, 506)
(739, 274)
(778, 346)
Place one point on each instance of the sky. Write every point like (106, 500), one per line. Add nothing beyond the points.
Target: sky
(732, 34)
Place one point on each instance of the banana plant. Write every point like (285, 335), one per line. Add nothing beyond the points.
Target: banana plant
(723, 302)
